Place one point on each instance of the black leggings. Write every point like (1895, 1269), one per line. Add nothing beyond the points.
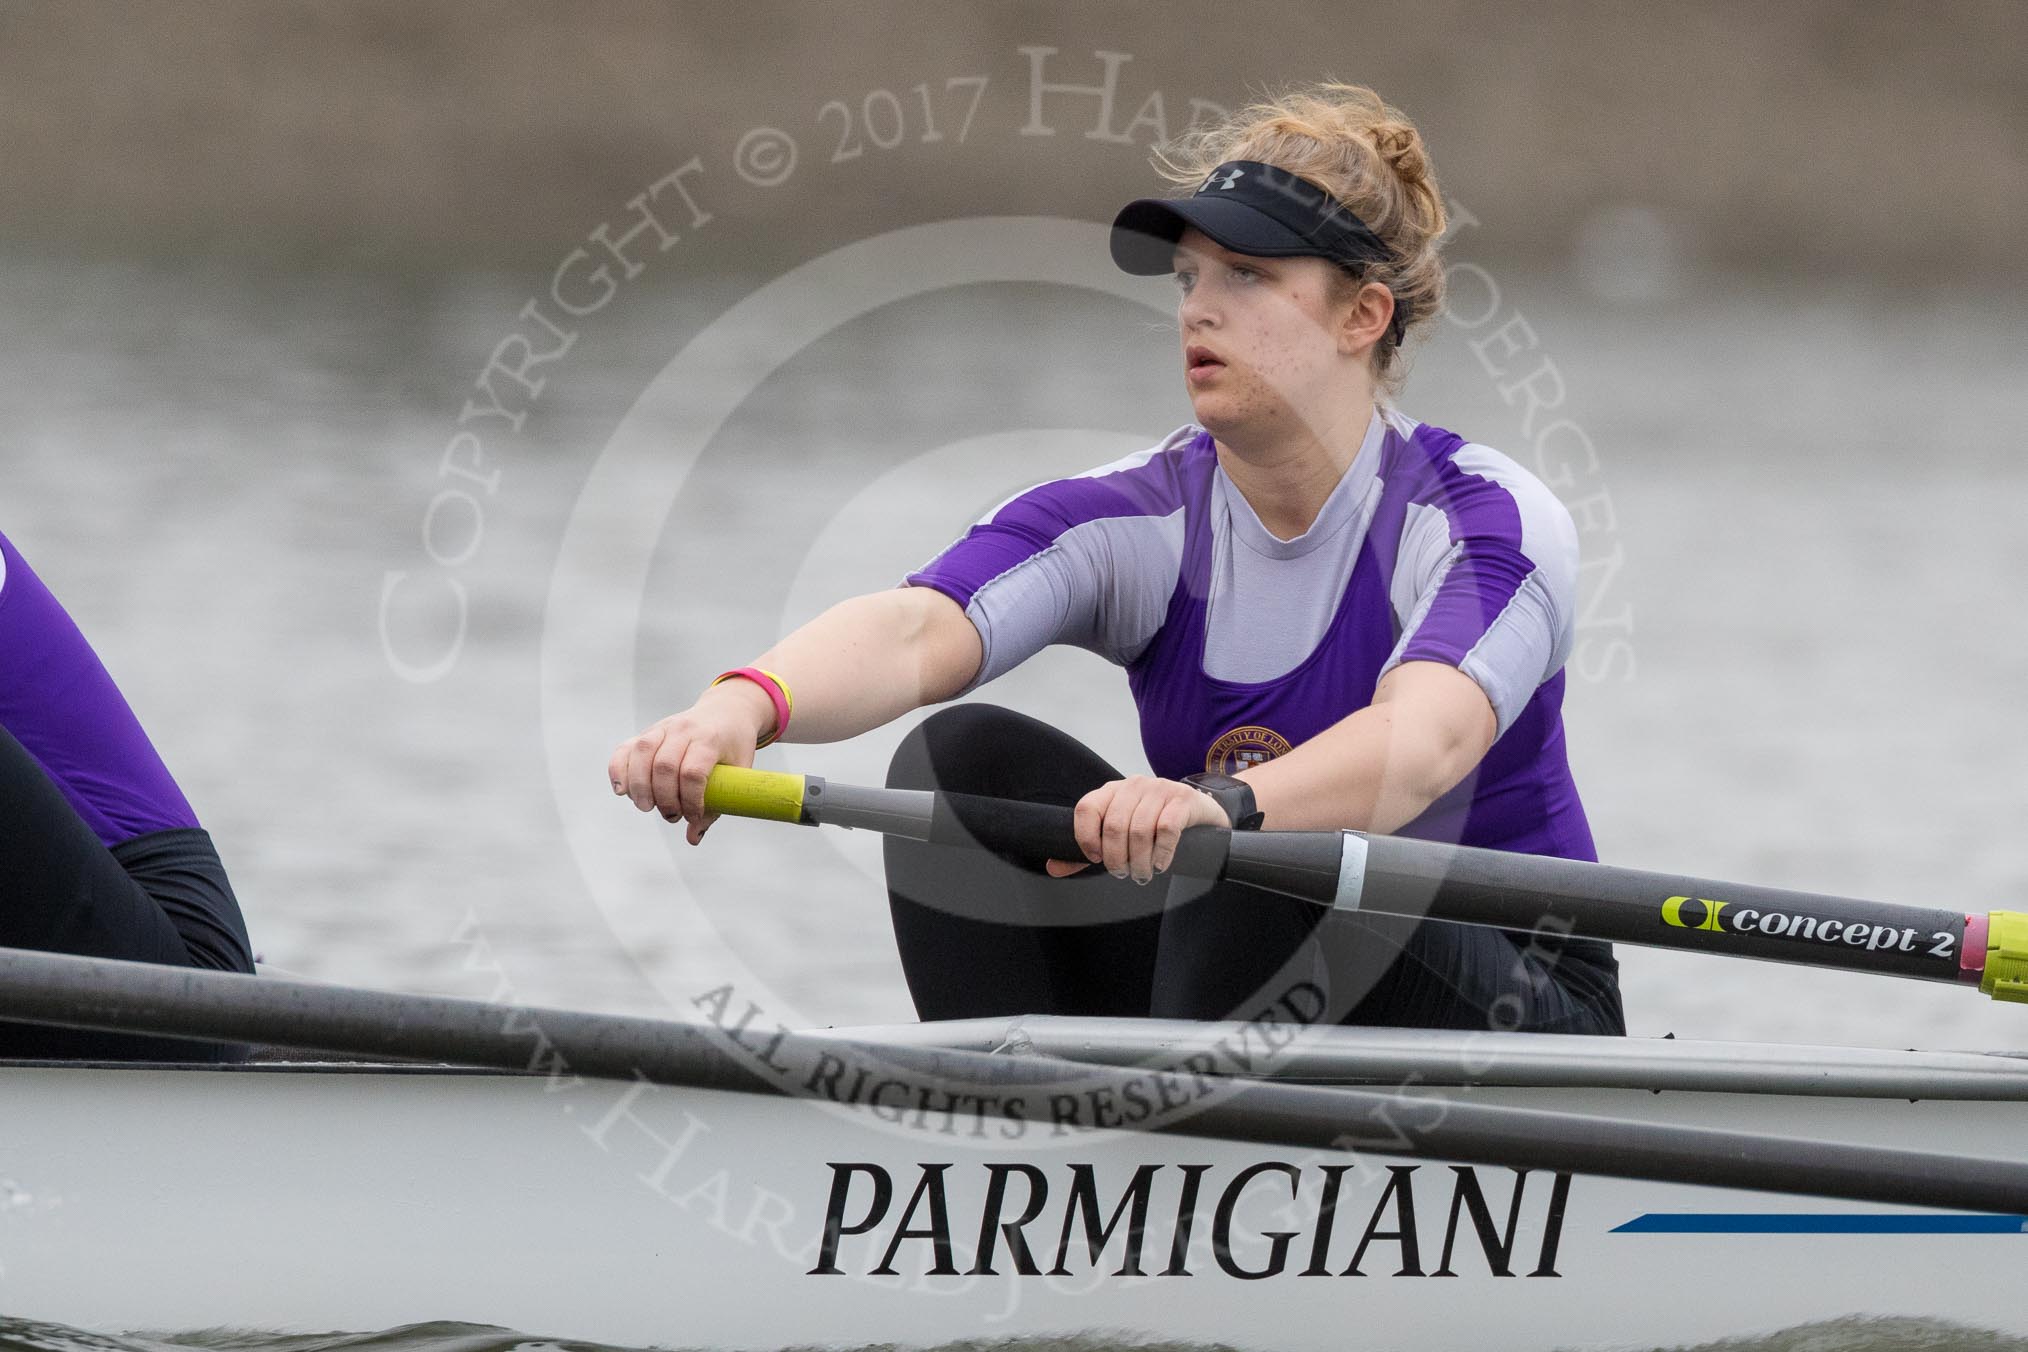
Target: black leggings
(161, 897)
(982, 935)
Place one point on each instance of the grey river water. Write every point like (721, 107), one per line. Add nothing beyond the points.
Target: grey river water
(1801, 662)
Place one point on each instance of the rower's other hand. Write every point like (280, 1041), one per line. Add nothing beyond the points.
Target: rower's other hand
(1130, 827)
(663, 768)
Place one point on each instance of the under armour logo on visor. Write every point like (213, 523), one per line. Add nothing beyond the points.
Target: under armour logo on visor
(1223, 181)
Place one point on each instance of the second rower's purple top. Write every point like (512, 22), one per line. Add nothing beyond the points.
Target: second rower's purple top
(1239, 645)
(59, 703)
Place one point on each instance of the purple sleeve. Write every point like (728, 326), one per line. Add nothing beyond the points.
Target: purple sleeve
(1089, 561)
(60, 704)
(1481, 573)
(1140, 486)
(1487, 578)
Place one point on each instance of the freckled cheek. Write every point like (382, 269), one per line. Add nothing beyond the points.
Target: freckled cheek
(1274, 371)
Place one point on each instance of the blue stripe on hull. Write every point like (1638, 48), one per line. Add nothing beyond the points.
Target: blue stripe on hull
(1794, 1223)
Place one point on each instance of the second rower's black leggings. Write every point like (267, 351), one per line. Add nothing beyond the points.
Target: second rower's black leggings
(980, 935)
(161, 897)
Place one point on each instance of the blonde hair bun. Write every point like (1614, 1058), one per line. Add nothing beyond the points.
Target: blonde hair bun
(1401, 146)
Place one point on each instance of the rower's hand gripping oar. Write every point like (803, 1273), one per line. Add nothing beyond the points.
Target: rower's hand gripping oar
(1394, 875)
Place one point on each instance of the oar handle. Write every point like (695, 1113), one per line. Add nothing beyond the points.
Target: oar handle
(1001, 825)
(769, 795)
(1027, 833)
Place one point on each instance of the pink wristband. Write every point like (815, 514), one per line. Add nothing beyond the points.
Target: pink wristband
(778, 694)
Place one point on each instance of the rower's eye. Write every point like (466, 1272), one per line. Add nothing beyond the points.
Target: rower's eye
(1244, 275)
(1185, 280)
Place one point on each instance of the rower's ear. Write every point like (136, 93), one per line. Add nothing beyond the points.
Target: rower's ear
(1361, 317)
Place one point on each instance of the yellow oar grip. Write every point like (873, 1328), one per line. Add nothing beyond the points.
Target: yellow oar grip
(769, 795)
(2006, 975)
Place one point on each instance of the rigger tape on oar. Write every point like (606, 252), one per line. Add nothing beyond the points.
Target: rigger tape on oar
(2006, 974)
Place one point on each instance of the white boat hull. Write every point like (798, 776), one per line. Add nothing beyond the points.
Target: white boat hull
(300, 1199)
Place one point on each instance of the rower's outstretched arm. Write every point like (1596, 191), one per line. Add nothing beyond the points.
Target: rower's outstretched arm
(867, 661)
(860, 664)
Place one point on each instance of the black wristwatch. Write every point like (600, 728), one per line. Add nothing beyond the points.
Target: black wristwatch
(1235, 796)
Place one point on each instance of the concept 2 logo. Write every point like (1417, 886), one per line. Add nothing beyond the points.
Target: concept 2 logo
(1672, 913)
(1703, 914)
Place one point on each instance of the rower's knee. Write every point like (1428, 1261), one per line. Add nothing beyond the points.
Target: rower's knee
(954, 748)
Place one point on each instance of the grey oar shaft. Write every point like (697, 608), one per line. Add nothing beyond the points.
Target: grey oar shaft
(1396, 875)
(892, 812)
(101, 994)
(1667, 910)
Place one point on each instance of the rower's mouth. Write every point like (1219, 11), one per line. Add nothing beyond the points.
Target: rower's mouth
(1198, 357)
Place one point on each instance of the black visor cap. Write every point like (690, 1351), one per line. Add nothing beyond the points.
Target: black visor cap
(1249, 208)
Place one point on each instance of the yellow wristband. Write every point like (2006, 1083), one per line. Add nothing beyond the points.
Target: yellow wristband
(788, 695)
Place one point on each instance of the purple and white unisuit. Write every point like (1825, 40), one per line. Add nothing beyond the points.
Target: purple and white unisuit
(1240, 646)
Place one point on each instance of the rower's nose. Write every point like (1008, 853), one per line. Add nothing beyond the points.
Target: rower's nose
(1196, 310)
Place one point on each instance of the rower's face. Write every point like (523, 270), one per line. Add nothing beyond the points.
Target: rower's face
(1259, 352)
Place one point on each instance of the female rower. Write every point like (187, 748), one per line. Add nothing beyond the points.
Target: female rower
(1331, 616)
(100, 853)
